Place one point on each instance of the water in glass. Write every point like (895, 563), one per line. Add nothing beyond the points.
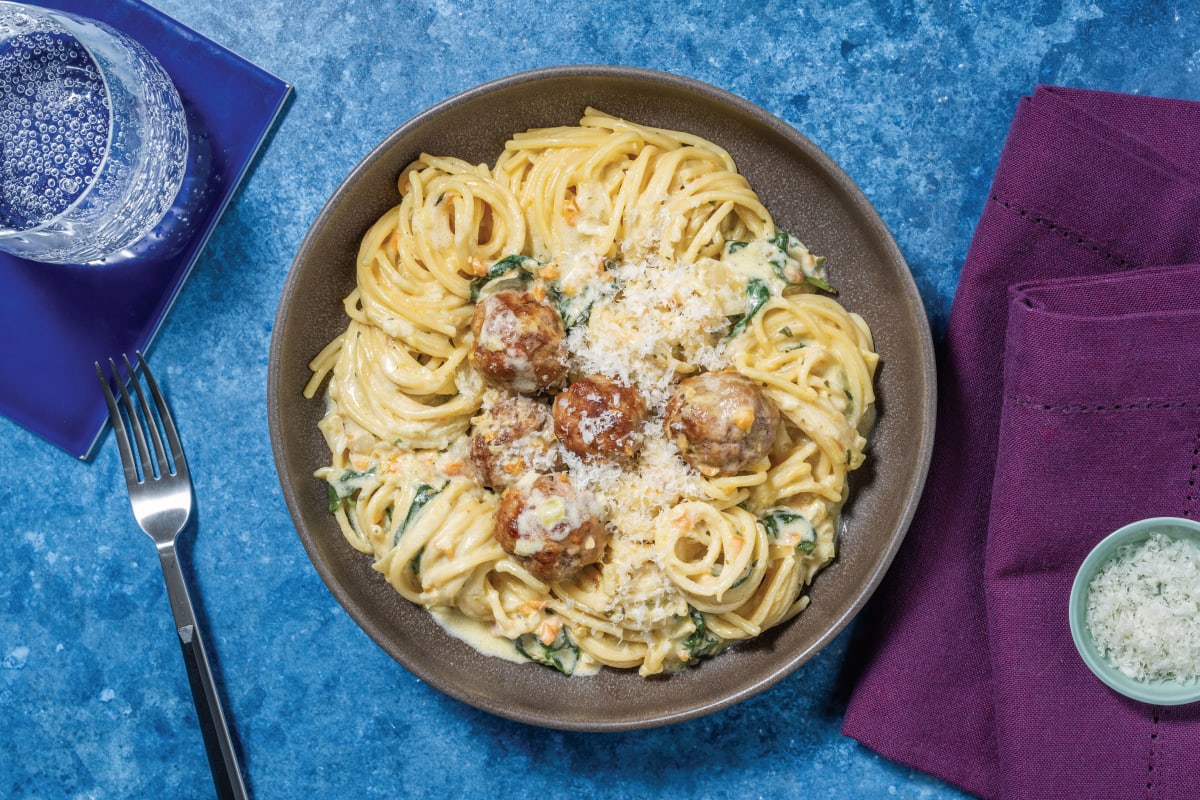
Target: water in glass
(93, 137)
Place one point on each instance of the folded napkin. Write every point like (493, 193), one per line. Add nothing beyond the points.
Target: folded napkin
(1069, 405)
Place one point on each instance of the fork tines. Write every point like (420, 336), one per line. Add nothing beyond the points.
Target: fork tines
(154, 459)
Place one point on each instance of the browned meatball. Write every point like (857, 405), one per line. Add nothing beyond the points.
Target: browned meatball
(722, 422)
(520, 342)
(597, 417)
(551, 528)
(510, 439)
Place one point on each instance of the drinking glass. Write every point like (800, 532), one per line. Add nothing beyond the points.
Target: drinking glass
(93, 137)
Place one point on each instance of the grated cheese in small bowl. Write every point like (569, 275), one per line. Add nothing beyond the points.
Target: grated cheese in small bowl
(1135, 610)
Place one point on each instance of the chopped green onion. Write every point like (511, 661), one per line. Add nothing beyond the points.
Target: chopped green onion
(820, 283)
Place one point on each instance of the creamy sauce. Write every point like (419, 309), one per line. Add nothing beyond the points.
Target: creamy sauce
(479, 636)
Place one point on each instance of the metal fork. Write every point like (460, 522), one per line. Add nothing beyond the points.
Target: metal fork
(160, 492)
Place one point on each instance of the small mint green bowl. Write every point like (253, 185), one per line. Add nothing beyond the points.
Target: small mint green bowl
(1157, 692)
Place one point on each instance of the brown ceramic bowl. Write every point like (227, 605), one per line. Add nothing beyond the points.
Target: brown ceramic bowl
(809, 195)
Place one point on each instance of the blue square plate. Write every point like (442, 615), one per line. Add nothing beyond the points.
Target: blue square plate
(56, 321)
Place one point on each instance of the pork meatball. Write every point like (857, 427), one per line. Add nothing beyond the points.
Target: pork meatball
(512, 438)
(722, 422)
(550, 527)
(597, 417)
(520, 343)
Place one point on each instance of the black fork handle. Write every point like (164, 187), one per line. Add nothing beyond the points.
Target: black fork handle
(222, 758)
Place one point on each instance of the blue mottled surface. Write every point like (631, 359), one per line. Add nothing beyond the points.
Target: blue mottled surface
(913, 101)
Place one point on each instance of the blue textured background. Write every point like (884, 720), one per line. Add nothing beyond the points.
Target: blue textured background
(913, 100)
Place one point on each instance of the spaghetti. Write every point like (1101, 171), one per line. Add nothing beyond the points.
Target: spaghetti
(746, 392)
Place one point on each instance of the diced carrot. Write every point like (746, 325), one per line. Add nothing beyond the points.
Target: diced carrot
(734, 546)
(531, 606)
(684, 520)
(549, 631)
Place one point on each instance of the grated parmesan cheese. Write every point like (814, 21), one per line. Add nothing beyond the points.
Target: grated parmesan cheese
(1144, 609)
(637, 588)
(652, 319)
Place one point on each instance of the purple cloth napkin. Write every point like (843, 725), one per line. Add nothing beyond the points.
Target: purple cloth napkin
(1069, 405)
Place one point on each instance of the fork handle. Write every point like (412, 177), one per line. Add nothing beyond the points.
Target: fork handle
(222, 759)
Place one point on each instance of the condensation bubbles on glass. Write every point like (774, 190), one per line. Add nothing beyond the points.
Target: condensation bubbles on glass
(54, 126)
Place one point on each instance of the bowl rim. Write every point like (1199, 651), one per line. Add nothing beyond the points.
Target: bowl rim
(873, 227)
(1156, 692)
